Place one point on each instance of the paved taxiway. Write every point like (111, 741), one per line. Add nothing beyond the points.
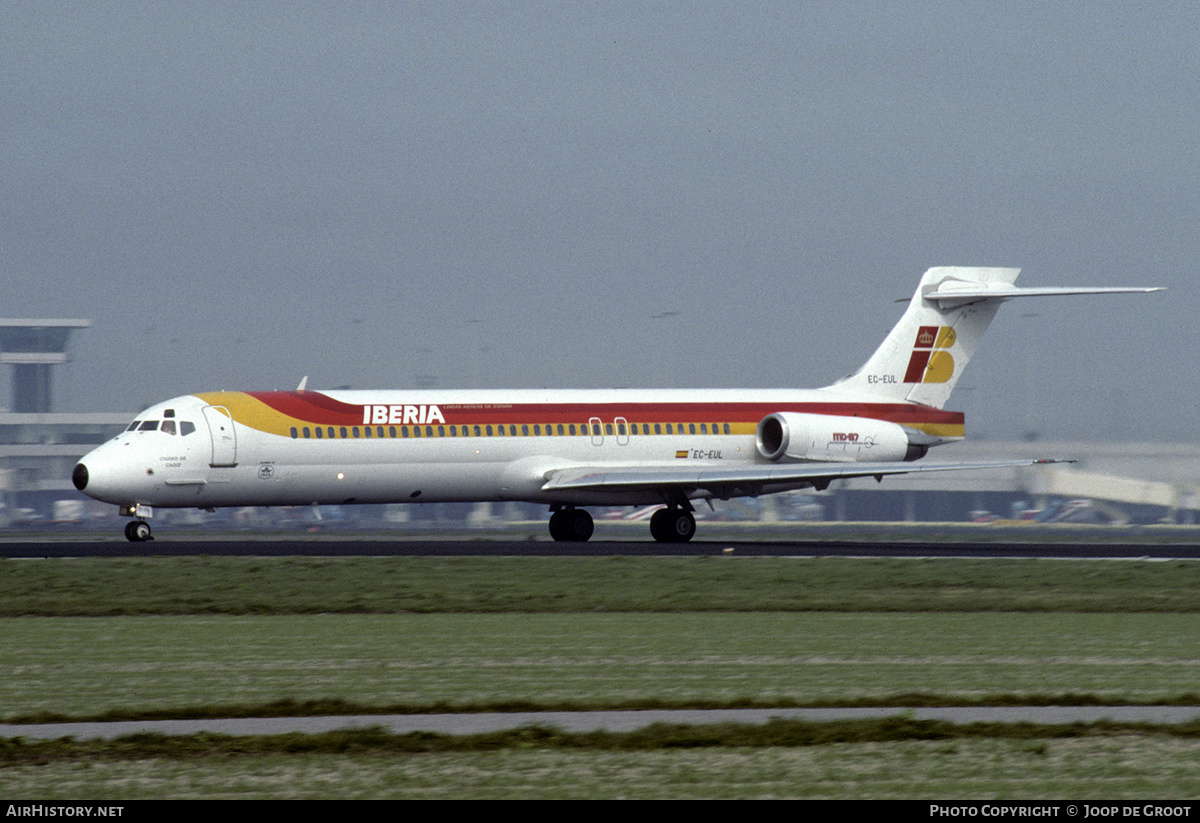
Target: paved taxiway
(611, 721)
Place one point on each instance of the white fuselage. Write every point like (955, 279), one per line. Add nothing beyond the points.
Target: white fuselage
(296, 448)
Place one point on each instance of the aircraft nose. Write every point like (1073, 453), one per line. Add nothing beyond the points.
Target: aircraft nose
(107, 474)
(80, 476)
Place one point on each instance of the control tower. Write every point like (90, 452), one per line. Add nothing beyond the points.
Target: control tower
(31, 347)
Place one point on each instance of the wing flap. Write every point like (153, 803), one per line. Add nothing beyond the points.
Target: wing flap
(722, 482)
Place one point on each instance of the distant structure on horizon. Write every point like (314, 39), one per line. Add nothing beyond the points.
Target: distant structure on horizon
(31, 347)
(39, 446)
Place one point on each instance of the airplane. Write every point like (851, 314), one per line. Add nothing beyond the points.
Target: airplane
(564, 448)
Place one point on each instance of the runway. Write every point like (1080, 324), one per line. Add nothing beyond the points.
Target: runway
(351, 546)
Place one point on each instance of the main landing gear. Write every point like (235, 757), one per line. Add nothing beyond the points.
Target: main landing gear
(674, 524)
(138, 531)
(571, 525)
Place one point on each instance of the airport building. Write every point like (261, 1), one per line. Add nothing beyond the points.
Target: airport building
(39, 446)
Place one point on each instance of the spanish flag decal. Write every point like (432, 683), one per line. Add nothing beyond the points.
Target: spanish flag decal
(681, 453)
(930, 361)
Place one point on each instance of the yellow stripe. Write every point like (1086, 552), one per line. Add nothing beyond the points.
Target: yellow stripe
(251, 412)
(942, 429)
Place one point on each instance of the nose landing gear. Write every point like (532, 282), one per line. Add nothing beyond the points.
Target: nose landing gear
(138, 531)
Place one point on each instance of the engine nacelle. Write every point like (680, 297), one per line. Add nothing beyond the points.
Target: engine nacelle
(796, 436)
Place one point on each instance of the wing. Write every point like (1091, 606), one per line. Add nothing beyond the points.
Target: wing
(724, 483)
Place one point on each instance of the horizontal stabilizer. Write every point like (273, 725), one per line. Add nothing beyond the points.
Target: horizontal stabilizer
(955, 292)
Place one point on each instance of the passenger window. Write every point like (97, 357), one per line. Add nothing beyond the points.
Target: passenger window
(669, 431)
(305, 432)
(295, 433)
(727, 428)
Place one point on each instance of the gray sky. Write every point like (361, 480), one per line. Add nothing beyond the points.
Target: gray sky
(505, 194)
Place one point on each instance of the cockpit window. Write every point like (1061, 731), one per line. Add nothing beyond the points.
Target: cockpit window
(149, 426)
(168, 427)
(133, 425)
(186, 428)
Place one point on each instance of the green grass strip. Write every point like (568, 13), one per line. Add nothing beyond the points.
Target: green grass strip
(539, 585)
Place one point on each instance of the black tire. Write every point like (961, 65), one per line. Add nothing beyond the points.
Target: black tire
(138, 531)
(581, 526)
(558, 525)
(683, 527)
(672, 526)
(659, 527)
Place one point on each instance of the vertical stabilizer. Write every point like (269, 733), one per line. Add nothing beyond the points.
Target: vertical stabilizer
(924, 355)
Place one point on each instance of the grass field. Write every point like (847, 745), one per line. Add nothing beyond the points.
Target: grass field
(171, 637)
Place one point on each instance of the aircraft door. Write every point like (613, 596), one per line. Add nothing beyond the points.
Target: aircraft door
(622, 431)
(224, 436)
(597, 431)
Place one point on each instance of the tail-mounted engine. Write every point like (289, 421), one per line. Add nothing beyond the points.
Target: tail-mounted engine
(796, 436)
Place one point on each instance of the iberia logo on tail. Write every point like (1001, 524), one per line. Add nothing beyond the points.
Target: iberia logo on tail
(930, 361)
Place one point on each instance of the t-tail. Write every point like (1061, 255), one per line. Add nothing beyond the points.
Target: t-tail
(922, 358)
